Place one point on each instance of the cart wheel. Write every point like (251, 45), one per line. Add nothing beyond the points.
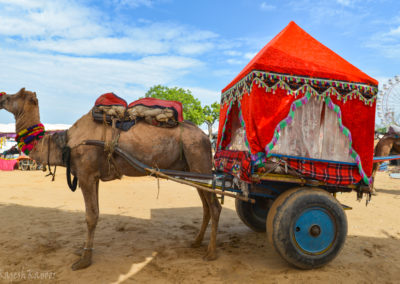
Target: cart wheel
(307, 227)
(254, 215)
(32, 166)
(23, 166)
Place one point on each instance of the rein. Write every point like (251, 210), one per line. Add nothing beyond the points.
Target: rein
(48, 164)
(66, 157)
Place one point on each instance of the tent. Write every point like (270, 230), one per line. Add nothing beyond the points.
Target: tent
(300, 101)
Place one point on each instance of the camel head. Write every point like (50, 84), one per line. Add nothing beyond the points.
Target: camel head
(23, 105)
(22, 102)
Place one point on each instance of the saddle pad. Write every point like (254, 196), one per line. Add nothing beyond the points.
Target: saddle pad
(110, 99)
(158, 103)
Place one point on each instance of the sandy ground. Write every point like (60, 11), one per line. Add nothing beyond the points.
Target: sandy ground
(142, 239)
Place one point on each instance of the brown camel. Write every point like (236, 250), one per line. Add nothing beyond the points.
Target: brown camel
(185, 147)
(389, 144)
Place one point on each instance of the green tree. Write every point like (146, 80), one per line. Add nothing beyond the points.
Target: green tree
(211, 115)
(192, 109)
(381, 130)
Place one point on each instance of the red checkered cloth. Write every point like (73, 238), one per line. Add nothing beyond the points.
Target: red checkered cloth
(331, 173)
(236, 163)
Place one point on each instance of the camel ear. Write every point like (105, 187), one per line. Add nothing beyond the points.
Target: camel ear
(21, 91)
(34, 100)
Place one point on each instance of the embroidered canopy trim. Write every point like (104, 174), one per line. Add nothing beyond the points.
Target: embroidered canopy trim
(288, 120)
(294, 85)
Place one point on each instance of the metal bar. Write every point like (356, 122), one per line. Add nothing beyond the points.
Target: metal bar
(385, 158)
(131, 160)
(143, 168)
(187, 174)
(280, 178)
(312, 159)
(162, 175)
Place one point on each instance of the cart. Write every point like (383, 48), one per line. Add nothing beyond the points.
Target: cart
(26, 164)
(296, 127)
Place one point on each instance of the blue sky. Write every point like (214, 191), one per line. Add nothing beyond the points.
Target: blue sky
(70, 52)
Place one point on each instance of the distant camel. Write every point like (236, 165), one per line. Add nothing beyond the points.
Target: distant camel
(181, 148)
(387, 145)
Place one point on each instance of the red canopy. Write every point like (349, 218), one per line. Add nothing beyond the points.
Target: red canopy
(291, 67)
(295, 52)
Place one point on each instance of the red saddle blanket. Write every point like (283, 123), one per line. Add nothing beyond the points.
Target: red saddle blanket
(111, 99)
(158, 103)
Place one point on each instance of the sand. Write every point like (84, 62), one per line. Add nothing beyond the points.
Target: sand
(142, 239)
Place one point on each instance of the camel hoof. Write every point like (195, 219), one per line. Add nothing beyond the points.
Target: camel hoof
(85, 261)
(210, 256)
(374, 193)
(78, 252)
(195, 244)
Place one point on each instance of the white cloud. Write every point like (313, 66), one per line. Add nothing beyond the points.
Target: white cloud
(232, 53)
(70, 85)
(345, 2)
(267, 7)
(102, 45)
(394, 32)
(387, 43)
(46, 19)
(70, 54)
(250, 55)
(134, 3)
(235, 61)
(205, 95)
(69, 28)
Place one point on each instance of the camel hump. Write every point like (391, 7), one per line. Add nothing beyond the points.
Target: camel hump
(394, 130)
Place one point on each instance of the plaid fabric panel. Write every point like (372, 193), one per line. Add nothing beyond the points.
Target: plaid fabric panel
(236, 163)
(327, 172)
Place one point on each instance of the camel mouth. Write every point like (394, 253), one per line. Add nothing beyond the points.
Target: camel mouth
(2, 100)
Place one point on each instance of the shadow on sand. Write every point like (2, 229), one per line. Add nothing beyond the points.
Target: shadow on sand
(388, 191)
(157, 250)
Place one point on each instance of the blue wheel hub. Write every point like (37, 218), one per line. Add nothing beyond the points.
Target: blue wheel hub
(314, 231)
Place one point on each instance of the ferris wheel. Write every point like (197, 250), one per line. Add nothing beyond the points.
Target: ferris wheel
(388, 104)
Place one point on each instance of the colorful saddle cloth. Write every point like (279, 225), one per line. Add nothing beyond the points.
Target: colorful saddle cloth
(111, 108)
(236, 163)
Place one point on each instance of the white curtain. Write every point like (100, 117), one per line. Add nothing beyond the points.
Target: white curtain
(238, 140)
(314, 133)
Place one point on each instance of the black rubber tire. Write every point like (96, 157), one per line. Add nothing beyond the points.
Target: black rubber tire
(255, 215)
(286, 210)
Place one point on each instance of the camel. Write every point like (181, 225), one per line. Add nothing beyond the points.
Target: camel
(184, 148)
(387, 145)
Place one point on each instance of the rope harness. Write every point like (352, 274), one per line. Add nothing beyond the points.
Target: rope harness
(109, 146)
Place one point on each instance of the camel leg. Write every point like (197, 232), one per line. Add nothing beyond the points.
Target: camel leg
(206, 220)
(90, 195)
(383, 148)
(199, 159)
(215, 211)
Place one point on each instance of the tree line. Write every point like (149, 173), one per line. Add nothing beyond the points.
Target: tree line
(192, 109)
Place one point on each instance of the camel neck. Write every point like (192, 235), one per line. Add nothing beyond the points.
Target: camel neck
(21, 124)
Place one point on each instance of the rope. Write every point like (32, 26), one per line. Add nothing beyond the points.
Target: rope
(48, 163)
(109, 148)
